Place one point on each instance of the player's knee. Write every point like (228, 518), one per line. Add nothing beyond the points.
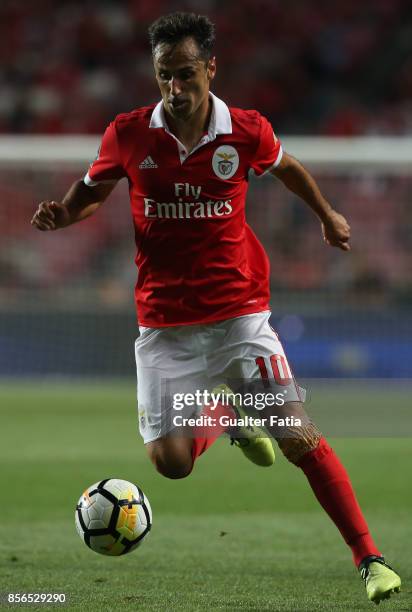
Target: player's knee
(299, 442)
(174, 465)
(173, 470)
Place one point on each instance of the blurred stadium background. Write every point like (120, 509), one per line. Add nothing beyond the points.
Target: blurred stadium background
(335, 70)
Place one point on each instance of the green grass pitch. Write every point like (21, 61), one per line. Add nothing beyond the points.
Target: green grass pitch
(232, 536)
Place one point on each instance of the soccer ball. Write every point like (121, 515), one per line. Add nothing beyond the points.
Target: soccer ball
(113, 517)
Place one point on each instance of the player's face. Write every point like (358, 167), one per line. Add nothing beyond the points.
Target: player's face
(183, 77)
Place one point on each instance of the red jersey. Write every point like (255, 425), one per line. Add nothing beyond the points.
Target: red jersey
(198, 260)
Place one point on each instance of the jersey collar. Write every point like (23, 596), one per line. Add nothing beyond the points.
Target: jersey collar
(220, 120)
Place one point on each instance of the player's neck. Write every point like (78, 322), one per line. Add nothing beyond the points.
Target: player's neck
(190, 131)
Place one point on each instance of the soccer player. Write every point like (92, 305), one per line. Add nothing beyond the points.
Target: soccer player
(202, 292)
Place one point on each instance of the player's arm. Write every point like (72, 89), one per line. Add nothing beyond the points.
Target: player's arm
(296, 178)
(86, 195)
(80, 202)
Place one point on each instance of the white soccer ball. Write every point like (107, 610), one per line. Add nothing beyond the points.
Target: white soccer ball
(113, 517)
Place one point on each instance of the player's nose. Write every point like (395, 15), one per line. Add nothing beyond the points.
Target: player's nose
(175, 86)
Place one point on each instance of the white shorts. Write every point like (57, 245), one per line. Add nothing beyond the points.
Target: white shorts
(179, 358)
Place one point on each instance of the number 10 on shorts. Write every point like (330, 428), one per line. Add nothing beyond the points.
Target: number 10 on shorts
(275, 366)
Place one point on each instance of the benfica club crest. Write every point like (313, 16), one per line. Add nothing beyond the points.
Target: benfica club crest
(225, 165)
(225, 161)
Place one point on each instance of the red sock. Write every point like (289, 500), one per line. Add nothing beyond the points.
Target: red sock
(205, 435)
(331, 484)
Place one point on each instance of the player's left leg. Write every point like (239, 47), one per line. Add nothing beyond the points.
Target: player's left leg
(252, 351)
(306, 448)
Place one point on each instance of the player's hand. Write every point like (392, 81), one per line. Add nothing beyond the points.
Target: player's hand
(336, 231)
(50, 215)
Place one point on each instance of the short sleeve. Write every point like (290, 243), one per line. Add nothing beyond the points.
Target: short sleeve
(269, 150)
(107, 167)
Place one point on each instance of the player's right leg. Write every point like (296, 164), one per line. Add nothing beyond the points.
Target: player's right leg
(162, 355)
(172, 456)
(170, 362)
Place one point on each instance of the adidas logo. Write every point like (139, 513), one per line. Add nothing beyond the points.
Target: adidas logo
(148, 163)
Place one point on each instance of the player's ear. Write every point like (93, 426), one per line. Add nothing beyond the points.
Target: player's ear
(211, 68)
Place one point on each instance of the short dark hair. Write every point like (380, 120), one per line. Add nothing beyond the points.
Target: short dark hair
(173, 28)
